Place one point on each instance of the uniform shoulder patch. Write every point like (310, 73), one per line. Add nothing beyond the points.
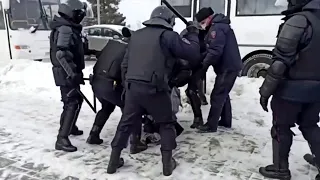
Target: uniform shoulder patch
(213, 34)
(186, 41)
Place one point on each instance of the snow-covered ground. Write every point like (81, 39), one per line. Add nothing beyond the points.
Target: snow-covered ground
(29, 115)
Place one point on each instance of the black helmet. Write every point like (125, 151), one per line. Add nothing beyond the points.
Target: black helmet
(75, 10)
(161, 16)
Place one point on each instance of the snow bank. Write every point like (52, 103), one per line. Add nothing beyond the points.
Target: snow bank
(33, 77)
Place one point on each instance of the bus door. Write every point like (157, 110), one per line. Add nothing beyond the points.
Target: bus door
(186, 9)
(4, 43)
(256, 23)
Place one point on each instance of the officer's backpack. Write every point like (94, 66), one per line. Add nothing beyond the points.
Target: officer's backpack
(109, 62)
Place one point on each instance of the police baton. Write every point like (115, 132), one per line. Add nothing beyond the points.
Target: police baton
(165, 2)
(94, 96)
(84, 97)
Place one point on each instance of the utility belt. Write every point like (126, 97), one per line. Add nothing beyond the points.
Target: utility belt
(144, 87)
(115, 83)
(151, 81)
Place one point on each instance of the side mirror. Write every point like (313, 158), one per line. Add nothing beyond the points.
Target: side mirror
(33, 28)
(116, 37)
(5, 5)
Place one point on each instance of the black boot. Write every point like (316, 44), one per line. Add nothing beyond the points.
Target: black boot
(64, 144)
(197, 122)
(75, 131)
(310, 159)
(271, 171)
(280, 167)
(168, 163)
(115, 161)
(206, 128)
(196, 108)
(94, 137)
(66, 122)
(136, 146)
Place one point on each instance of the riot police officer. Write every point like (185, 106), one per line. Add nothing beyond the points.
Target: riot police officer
(147, 67)
(293, 80)
(67, 58)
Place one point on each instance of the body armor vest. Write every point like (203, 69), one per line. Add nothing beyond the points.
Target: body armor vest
(147, 62)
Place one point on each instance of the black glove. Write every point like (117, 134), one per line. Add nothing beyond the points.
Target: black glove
(267, 89)
(264, 103)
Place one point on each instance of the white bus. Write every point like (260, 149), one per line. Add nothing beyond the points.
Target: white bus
(255, 23)
(24, 29)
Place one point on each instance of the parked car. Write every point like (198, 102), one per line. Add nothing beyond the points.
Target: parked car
(99, 35)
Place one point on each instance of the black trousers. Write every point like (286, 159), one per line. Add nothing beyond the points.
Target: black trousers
(193, 94)
(285, 115)
(72, 102)
(105, 112)
(220, 100)
(139, 100)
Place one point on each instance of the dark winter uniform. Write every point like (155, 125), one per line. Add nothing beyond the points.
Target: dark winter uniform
(294, 81)
(194, 91)
(147, 67)
(107, 87)
(67, 57)
(223, 54)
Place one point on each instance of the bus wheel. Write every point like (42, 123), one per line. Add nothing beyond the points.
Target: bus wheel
(256, 66)
(38, 60)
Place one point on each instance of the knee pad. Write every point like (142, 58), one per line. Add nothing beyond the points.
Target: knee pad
(72, 106)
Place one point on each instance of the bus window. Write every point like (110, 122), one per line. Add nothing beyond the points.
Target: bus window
(258, 8)
(2, 25)
(182, 6)
(218, 6)
(51, 8)
(25, 14)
